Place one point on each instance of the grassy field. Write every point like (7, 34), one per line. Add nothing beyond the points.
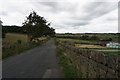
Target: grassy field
(90, 46)
(77, 41)
(14, 37)
(100, 35)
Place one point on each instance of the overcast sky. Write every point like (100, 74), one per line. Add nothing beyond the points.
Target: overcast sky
(75, 16)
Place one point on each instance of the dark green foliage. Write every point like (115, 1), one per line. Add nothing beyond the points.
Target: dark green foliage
(3, 33)
(13, 29)
(94, 38)
(37, 26)
(85, 37)
(19, 41)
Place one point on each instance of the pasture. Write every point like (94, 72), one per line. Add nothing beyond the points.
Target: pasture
(99, 35)
(14, 37)
(78, 41)
(90, 46)
(15, 43)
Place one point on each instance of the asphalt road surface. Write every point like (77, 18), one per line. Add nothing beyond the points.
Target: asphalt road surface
(40, 62)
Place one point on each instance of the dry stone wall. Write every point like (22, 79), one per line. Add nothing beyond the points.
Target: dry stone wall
(93, 64)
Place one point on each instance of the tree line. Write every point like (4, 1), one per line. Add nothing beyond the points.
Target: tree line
(34, 26)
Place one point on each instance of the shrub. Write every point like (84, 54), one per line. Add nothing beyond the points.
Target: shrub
(19, 41)
(85, 37)
(94, 38)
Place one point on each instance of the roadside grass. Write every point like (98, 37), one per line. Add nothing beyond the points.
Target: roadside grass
(78, 41)
(69, 70)
(110, 52)
(21, 48)
(17, 50)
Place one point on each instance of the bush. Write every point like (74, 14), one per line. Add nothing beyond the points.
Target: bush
(19, 41)
(94, 38)
(85, 37)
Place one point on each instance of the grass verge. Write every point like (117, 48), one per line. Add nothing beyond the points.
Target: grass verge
(69, 70)
(20, 49)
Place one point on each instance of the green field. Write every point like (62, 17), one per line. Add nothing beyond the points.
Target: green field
(78, 41)
(99, 35)
(14, 37)
(90, 46)
(85, 44)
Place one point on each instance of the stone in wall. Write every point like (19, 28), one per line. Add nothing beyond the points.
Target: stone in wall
(92, 69)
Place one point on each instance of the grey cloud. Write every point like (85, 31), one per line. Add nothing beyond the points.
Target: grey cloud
(60, 7)
(94, 10)
(50, 4)
(74, 24)
(63, 15)
(3, 13)
(112, 19)
(98, 9)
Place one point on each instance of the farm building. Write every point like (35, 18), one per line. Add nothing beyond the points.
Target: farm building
(113, 45)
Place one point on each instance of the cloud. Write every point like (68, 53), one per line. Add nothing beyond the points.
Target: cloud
(4, 13)
(70, 16)
(98, 9)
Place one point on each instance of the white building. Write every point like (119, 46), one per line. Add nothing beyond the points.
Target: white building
(113, 45)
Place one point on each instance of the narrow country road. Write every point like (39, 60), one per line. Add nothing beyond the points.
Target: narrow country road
(40, 62)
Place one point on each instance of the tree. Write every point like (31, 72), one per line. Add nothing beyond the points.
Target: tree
(35, 26)
(94, 37)
(85, 37)
(3, 30)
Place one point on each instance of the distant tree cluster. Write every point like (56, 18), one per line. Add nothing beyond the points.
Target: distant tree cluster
(37, 26)
(11, 29)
